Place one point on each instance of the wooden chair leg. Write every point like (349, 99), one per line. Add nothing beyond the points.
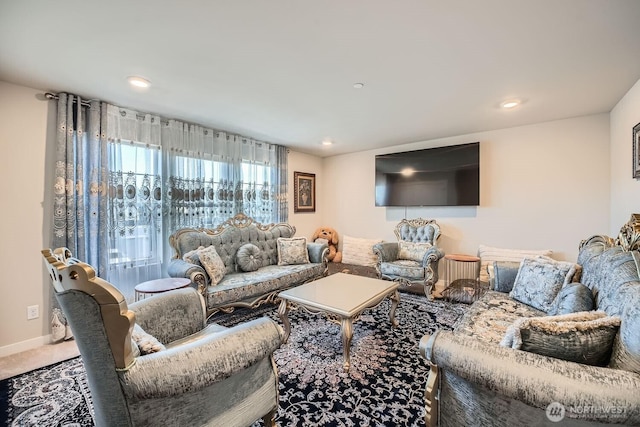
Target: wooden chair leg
(269, 419)
(431, 398)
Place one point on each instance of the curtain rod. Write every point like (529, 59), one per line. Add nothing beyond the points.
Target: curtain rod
(50, 95)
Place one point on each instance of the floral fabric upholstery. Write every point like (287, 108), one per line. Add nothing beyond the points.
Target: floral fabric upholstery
(412, 251)
(412, 270)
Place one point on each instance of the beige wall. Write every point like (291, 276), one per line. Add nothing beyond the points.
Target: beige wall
(625, 191)
(307, 222)
(23, 136)
(542, 186)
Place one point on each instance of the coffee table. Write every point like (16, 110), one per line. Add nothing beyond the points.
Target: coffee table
(341, 298)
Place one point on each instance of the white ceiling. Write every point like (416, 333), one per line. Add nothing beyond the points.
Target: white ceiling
(283, 70)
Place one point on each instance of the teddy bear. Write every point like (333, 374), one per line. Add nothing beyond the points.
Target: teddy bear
(330, 236)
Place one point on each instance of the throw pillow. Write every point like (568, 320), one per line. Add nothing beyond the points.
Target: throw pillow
(146, 343)
(248, 257)
(192, 256)
(489, 254)
(504, 275)
(359, 251)
(292, 251)
(412, 251)
(572, 298)
(212, 263)
(539, 280)
(584, 337)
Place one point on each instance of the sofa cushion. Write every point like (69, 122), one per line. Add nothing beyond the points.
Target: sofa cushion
(584, 337)
(292, 251)
(212, 263)
(192, 257)
(572, 298)
(412, 251)
(359, 251)
(489, 254)
(626, 348)
(248, 257)
(539, 280)
(504, 275)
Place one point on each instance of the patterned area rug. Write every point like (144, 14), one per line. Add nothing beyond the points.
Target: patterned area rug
(384, 387)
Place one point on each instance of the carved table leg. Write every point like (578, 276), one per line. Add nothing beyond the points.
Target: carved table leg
(347, 334)
(283, 310)
(431, 398)
(395, 299)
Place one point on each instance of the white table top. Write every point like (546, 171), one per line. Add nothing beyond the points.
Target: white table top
(340, 293)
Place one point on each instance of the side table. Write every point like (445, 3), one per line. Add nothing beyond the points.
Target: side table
(157, 286)
(462, 278)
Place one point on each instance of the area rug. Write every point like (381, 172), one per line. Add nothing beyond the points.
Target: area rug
(384, 387)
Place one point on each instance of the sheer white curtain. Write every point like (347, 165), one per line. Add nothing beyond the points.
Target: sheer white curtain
(212, 176)
(135, 198)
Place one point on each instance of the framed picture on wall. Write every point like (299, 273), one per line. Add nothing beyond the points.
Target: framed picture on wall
(304, 192)
(636, 151)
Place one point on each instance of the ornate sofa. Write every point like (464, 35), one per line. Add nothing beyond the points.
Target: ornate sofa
(413, 259)
(239, 288)
(156, 362)
(475, 381)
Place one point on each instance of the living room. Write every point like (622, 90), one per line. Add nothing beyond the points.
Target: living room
(548, 184)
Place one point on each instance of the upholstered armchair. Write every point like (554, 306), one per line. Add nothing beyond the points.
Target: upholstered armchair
(156, 362)
(413, 259)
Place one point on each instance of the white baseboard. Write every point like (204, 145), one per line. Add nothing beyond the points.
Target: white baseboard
(18, 347)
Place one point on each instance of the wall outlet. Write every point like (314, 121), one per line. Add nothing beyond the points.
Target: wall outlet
(33, 312)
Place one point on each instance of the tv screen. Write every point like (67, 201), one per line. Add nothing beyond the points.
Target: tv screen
(443, 176)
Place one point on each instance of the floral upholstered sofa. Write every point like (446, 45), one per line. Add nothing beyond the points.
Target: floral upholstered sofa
(243, 263)
(575, 360)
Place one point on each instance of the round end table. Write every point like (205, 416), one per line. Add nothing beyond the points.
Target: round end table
(158, 286)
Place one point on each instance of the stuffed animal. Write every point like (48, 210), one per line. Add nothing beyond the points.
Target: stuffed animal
(329, 235)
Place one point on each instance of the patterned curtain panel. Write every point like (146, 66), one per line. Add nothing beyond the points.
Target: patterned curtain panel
(135, 214)
(80, 198)
(211, 176)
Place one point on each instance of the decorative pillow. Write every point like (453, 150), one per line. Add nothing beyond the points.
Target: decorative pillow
(212, 263)
(248, 257)
(146, 343)
(192, 256)
(572, 298)
(489, 254)
(504, 275)
(412, 251)
(359, 251)
(584, 337)
(292, 250)
(539, 280)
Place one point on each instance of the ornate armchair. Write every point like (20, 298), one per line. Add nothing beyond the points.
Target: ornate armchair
(156, 362)
(413, 259)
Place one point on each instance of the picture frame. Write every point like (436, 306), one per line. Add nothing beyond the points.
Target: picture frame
(636, 151)
(304, 192)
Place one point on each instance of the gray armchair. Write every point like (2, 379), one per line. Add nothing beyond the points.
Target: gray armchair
(157, 362)
(413, 259)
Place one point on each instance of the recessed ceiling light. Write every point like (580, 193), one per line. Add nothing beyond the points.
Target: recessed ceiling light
(512, 103)
(358, 85)
(327, 142)
(138, 81)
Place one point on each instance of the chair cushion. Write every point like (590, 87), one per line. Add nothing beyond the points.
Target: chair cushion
(572, 298)
(212, 263)
(248, 257)
(489, 254)
(412, 251)
(539, 280)
(359, 251)
(584, 337)
(412, 270)
(292, 251)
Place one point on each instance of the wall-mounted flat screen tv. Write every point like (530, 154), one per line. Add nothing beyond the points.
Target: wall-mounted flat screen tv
(442, 176)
